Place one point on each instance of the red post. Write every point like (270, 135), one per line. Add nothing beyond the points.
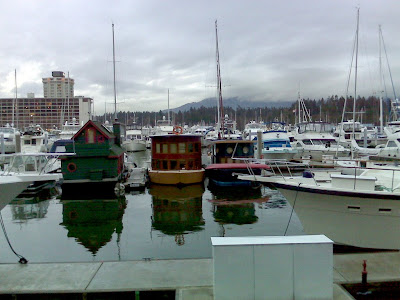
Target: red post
(364, 273)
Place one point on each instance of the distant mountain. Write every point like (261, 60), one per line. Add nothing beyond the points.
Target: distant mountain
(232, 102)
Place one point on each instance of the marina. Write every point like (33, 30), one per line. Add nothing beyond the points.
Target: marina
(240, 191)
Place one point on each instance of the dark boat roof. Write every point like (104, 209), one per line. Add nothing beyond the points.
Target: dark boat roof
(236, 166)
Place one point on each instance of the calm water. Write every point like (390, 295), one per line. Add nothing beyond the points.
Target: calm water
(161, 222)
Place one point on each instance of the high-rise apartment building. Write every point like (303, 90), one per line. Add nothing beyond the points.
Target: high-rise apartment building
(50, 113)
(56, 107)
(58, 86)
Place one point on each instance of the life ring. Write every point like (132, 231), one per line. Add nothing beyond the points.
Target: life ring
(71, 167)
(178, 130)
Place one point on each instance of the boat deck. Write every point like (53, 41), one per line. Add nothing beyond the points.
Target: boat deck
(189, 278)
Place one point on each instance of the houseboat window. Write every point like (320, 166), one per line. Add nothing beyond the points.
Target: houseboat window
(165, 164)
(197, 147)
(229, 150)
(182, 147)
(246, 149)
(174, 164)
(182, 164)
(190, 147)
(158, 147)
(157, 164)
(173, 148)
(91, 136)
(190, 165)
(164, 148)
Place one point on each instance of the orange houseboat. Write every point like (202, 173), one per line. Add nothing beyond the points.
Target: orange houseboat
(176, 159)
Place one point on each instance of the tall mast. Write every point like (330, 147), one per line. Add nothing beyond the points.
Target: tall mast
(115, 90)
(355, 73)
(168, 107)
(68, 107)
(380, 84)
(219, 88)
(15, 104)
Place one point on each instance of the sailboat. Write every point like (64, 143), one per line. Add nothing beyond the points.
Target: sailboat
(98, 162)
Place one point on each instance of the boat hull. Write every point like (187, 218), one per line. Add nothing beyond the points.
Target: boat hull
(178, 177)
(348, 219)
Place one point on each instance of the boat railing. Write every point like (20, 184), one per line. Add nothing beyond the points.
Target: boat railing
(279, 167)
(386, 178)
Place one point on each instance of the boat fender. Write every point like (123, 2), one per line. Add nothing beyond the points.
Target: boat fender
(178, 130)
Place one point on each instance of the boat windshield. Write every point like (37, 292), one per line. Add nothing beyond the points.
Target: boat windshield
(6, 130)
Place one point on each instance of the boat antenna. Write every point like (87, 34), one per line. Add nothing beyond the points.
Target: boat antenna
(115, 90)
(219, 87)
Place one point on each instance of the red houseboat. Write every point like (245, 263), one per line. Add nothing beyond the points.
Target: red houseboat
(176, 159)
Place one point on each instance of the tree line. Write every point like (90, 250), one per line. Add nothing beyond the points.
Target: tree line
(327, 110)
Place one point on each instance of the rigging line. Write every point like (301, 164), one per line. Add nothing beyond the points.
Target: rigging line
(22, 260)
(291, 213)
(387, 60)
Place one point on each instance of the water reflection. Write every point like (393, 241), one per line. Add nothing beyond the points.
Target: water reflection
(236, 205)
(32, 207)
(177, 211)
(93, 222)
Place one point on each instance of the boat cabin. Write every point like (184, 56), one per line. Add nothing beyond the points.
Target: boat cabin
(224, 151)
(176, 152)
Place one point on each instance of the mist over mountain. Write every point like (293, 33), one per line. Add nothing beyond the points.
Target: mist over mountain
(234, 103)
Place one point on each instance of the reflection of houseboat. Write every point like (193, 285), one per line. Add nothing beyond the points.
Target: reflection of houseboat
(239, 209)
(228, 159)
(92, 223)
(98, 163)
(177, 211)
(176, 159)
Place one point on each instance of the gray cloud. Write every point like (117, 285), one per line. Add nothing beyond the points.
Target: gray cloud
(267, 48)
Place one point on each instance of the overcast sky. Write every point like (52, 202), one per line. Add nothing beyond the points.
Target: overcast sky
(268, 49)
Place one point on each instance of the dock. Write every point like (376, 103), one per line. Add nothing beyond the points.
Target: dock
(188, 278)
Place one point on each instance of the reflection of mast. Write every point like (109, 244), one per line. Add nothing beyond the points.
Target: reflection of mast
(219, 89)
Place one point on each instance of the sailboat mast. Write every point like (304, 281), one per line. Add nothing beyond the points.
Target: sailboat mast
(168, 107)
(380, 84)
(355, 73)
(219, 87)
(115, 90)
(15, 104)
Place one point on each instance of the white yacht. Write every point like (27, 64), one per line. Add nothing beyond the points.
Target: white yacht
(276, 145)
(134, 140)
(313, 140)
(250, 130)
(9, 135)
(12, 185)
(34, 139)
(69, 129)
(35, 164)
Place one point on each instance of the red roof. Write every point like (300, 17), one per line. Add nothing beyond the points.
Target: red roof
(237, 166)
